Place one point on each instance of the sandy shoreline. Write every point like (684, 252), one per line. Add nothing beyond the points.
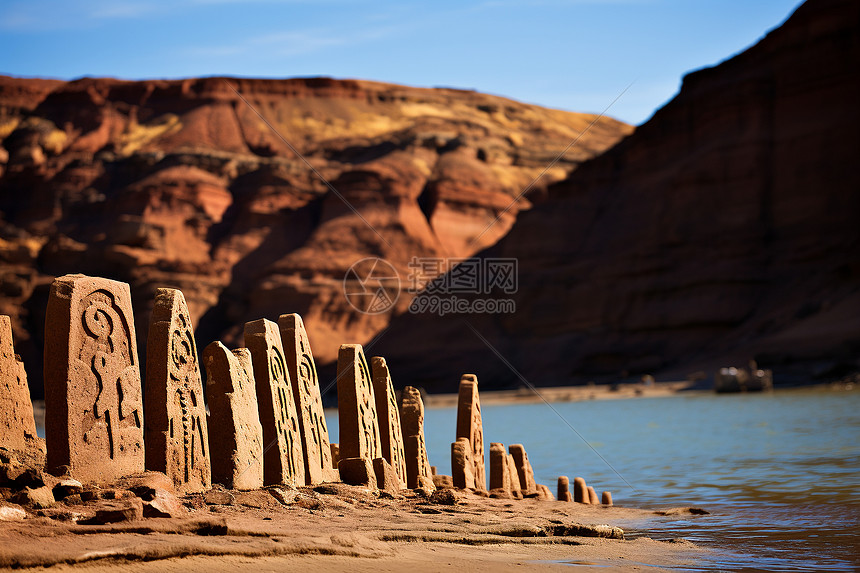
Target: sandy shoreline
(569, 393)
(345, 528)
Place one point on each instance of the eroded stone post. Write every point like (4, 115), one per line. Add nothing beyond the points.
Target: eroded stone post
(563, 488)
(306, 392)
(418, 474)
(580, 491)
(390, 432)
(516, 492)
(177, 442)
(470, 425)
(462, 467)
(357, 416)
(528, 487)
(235, 436)
(93, 402)
(17, 425)
(282, 457)
(500, 479)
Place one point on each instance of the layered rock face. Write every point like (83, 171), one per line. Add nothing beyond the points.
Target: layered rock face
(192, 184)
(725, 228)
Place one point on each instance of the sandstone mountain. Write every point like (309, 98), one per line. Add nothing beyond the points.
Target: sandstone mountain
(725, 228)
(196, 184)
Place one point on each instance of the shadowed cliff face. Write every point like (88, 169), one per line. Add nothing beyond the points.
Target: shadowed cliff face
(186, 184)
(727, 227)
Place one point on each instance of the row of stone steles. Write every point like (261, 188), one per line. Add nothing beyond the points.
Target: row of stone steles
(266, 424)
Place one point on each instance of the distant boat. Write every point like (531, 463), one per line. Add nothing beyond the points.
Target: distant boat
(742, 380)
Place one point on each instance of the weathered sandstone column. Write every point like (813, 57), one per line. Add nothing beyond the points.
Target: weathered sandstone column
(500, 478)
(524, 470)
(470, 425)
(235, 434)
(93, 403)
(17, 425)
(418, 472)
(580, 491)
(516, 492)
(563, 488)
(282, 457)
(390, 432)
(462, 467)
(316, 448)
(177, 442)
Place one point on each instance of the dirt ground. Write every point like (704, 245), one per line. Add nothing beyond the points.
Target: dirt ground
(336, 527)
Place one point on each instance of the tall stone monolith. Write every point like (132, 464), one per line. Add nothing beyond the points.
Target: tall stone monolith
(470, 425)
(235, 433)
(390, 432)
(306, 392)
(356, 406)
(418, 474)
(175, 431)
(93, 402)
(283, 461)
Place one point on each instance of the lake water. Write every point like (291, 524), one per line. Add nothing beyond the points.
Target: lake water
(778, 472)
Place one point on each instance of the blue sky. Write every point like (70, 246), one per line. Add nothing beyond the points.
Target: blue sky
(577, 55)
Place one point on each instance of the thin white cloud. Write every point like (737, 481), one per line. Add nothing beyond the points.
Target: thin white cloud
(122, 10)
(50, 15)
(293, 43)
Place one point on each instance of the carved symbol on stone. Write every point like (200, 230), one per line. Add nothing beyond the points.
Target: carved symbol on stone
(100, 320)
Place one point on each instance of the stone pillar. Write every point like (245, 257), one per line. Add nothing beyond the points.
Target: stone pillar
(516, 492)
(418, 472)
(563, 488)
(500, 478)
(592, 496)
(390, 433)
(462, 467)
(580, 491)
(356, 406)
(93, 402)
(316, 448)
(335, 455)
(607, 498)
(528, 487)
(470, 425)
(17, 425)
(177, 442)
(282, 448)
(236, 436)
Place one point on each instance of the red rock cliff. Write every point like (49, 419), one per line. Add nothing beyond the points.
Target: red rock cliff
(727, 227)
(184, 184)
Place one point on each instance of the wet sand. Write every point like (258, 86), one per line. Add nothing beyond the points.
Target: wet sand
(344, 528)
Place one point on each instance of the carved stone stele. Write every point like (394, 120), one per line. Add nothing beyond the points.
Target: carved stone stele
(93, 402)
(283, 461)
(309, 407)
(177, 441)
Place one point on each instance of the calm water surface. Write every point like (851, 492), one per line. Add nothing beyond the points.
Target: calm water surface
(779, 473)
